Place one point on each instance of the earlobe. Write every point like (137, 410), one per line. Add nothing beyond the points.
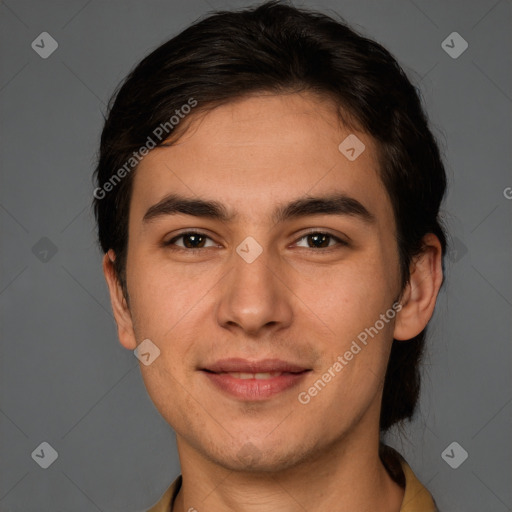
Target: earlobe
(420, 294)
(120, 307)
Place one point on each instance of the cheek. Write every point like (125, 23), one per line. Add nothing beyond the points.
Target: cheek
(346, 307)
(170, 307)
(346, 299)
(163, 295)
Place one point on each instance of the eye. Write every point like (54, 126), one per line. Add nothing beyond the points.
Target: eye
(191, 240)
(321, 240)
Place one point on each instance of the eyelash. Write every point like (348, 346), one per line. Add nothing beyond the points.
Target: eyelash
(340, 242)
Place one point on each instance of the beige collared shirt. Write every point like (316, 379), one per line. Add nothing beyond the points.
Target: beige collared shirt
(416, 497)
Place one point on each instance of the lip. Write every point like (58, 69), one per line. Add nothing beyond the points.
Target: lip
(237, 364)
(252, 389)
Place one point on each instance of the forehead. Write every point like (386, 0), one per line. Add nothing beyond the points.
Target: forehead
(261, 150)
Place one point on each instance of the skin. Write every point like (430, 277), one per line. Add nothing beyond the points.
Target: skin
(296, 302)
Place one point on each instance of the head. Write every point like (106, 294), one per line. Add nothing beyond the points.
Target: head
(249, 111)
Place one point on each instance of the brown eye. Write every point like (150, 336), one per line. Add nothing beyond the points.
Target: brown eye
(320, 240)
(191, 240)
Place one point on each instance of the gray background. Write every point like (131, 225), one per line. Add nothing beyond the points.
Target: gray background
(64, 377)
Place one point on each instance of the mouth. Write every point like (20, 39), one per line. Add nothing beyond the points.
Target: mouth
(257, 375)
(254, 380)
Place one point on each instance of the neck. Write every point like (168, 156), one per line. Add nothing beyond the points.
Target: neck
(344, 477)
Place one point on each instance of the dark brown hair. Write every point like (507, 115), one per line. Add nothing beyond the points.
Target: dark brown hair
(278, 48)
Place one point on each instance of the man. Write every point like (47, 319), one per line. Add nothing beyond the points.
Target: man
(267, 199)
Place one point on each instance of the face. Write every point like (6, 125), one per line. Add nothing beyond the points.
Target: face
(251, 310)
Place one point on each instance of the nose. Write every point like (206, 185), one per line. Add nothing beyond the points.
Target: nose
(254, 297)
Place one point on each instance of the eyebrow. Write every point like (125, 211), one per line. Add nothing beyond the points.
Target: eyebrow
(332, 204)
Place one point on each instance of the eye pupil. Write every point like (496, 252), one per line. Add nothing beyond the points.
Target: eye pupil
(321, 238)
(194, 237)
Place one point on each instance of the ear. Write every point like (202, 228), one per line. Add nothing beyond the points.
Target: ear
(120, 307)
(420, 294)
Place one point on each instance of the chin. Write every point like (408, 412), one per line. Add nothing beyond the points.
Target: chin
(258, 457)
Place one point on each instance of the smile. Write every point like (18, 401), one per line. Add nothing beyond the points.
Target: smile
(254, 386)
